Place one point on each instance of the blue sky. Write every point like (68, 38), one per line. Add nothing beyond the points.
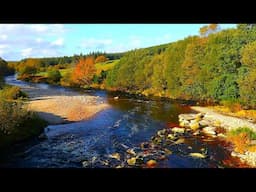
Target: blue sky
(18, 41)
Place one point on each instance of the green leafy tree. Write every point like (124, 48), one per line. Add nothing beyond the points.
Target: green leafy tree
(54, 76)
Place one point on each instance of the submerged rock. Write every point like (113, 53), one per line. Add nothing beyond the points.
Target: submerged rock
(131, 152)
(167, 152)
(161, 133)
(145, 145)
(197, 155)
(179, 141)
(115, 156)
(151, 163)
(131, 161)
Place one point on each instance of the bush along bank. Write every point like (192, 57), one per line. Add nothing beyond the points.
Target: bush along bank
(16, 122)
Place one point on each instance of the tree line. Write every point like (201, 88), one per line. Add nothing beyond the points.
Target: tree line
(217, 65)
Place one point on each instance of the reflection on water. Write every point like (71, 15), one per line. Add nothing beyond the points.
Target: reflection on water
(125, 125)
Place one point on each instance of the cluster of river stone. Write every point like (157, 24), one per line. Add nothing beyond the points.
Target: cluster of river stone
(161, 145)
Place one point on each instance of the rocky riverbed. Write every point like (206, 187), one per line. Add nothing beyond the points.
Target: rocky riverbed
(169, 142)
(209, 122)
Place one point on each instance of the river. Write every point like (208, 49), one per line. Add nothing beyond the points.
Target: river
(127, 123)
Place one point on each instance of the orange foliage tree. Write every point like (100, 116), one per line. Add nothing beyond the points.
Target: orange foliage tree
(208, 29)
(100, 58)
(84, 71)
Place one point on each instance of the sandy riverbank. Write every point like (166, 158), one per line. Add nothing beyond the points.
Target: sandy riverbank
(57, 106)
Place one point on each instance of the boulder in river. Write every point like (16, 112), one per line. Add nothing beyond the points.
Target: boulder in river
(194, 125)
(209, 130)
(187, 117)
(115, 156)
(131, 152)
(171, 136)
(178, 130)
(151, 163)
(197, 155)
(131, 161)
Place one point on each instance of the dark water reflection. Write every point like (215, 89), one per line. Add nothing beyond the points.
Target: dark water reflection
(127, 123)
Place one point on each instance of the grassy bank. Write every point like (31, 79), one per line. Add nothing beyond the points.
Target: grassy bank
(16, 122)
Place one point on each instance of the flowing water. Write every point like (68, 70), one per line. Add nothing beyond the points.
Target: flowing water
(127, 123)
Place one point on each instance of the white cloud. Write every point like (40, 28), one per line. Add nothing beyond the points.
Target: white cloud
(58, 42)
(2, 52)
(39, 40)
(39, 27)
(3, 46)
(34, 40)
(3, 37)
(93, 43)
(26, 52)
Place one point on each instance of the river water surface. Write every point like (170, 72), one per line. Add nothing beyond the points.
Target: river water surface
(127, 123)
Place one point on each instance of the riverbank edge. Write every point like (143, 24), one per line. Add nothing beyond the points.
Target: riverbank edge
(36, 123)
(230, 123)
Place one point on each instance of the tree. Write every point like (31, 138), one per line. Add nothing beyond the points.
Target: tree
(208, 29)
(100, 58)
(4, 70)
(248, 55)
(247, 88)
(84, 71)
(27, 70)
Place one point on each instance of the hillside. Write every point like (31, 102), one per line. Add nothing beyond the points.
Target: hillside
(218, 65)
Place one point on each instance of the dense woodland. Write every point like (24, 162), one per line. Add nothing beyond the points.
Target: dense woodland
(215, 66)
(218, 65)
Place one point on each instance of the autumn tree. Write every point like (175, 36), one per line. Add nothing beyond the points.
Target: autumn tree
(84, 71)
(248, 55)
(208, 29)
(100, 58)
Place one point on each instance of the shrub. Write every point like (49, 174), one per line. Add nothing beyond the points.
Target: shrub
(233, 105)
(241, 139)
(66, 79)
(17, 123)
(1, 82)
(54, 76)
(246, 130)
(12, 93)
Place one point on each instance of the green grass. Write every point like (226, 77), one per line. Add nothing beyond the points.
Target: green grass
(99, 67)
(246, 130)
(106, 65)
(62, 72)
(44, 74)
